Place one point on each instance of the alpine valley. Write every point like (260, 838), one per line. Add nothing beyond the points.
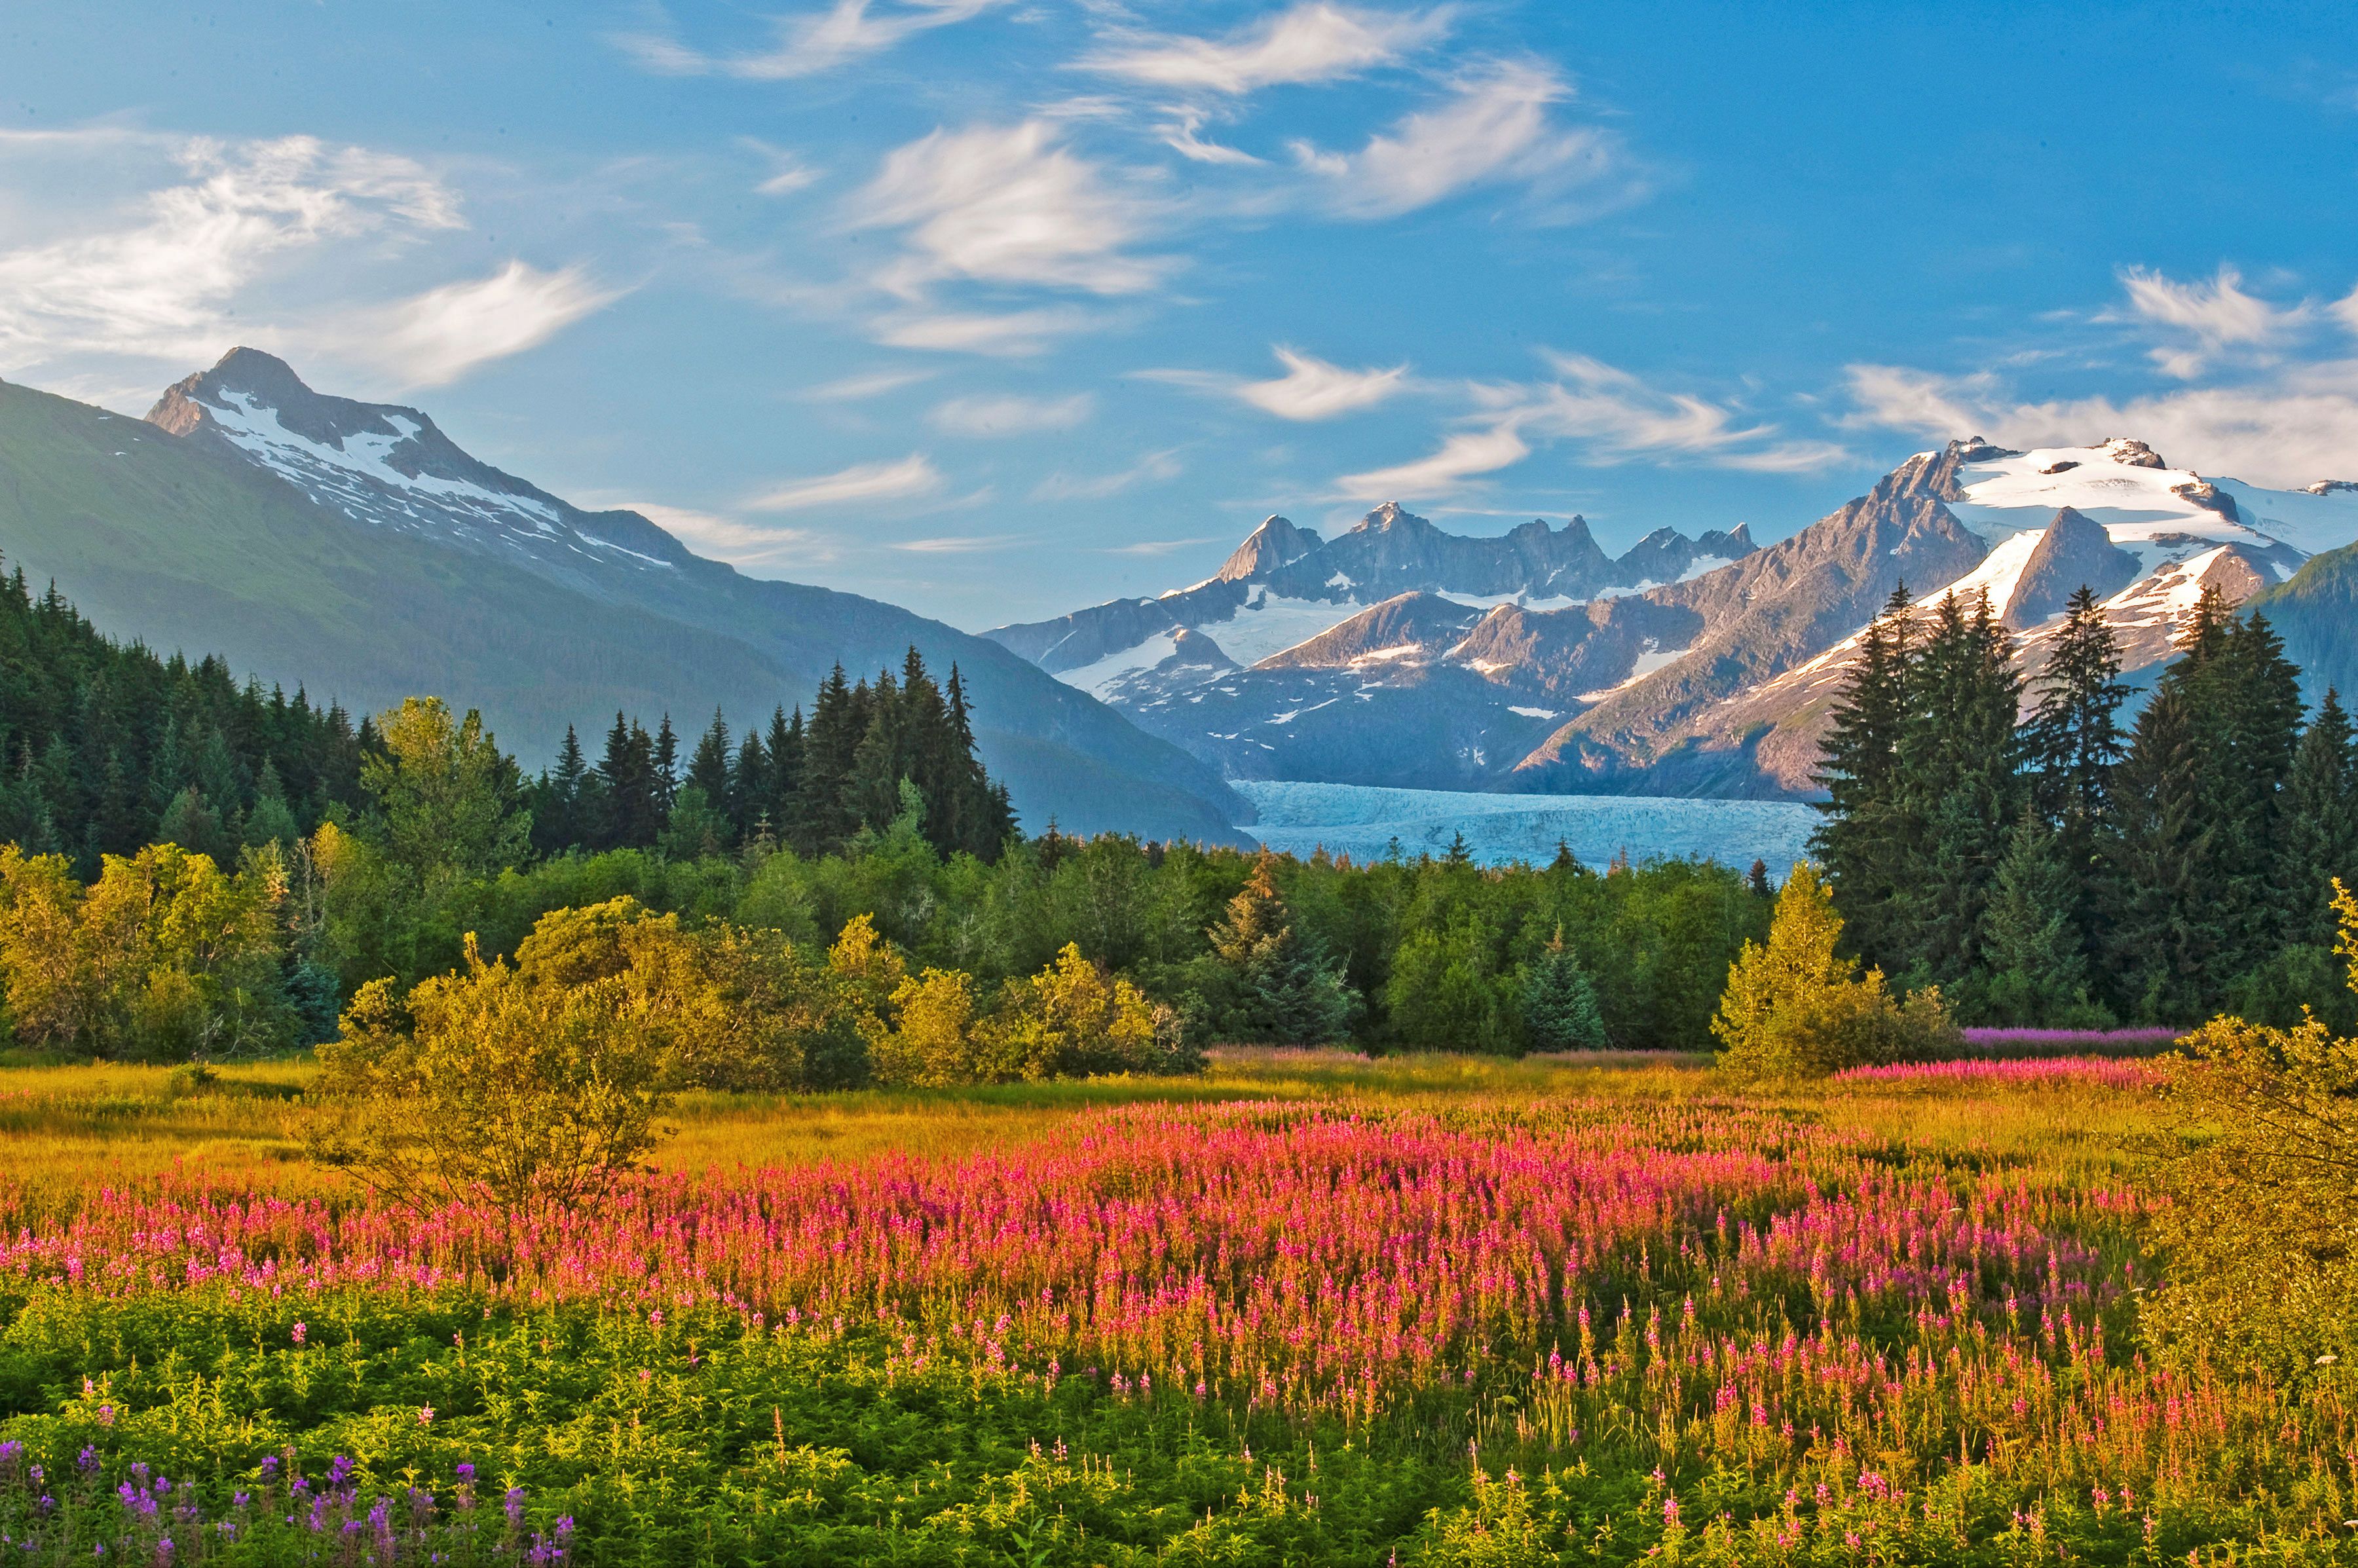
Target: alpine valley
(354, 547)
(1398, 655)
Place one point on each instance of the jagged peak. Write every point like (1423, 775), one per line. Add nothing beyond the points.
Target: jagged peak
(1277, 542)
(1390, 514)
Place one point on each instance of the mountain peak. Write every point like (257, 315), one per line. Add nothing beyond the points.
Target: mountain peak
(1276, 543)
(1389, 515)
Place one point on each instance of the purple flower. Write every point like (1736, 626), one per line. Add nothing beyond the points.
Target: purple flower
(465, 1472)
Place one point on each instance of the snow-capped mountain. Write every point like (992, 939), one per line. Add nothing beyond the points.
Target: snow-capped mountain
(372, 557)
(392, 468)
(1399, 655)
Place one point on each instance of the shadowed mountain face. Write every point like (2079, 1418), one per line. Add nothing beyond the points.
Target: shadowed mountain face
(1399, 654)
(353, 548)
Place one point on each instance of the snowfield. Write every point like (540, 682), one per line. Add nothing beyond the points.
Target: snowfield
(1361, 822)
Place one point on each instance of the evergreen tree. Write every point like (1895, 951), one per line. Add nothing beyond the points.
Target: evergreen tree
(1560, 1010)
(630, 817)
(1960, 779)
(1868, 839)
(748, 796)
(667, 769)
(2319, 841)
(2164, 944)
(1279, 987)
(2074, 746)
(838, 724)
(2030, 937)
(786, 773)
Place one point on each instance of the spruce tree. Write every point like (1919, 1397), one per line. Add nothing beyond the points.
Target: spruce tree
(559, 819)
(1959, 784)
(1560, 1010)
(1279, 987)
(2030, 936)
(748, 798)
(666, 769)
(1868, 839)
(2165, 942)
(838, 724)
(2320, 837)
(2074, 746)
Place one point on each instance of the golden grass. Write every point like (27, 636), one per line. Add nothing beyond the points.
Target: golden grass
(68, 1130)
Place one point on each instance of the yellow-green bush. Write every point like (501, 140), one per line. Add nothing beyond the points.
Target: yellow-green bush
(1797, 1008)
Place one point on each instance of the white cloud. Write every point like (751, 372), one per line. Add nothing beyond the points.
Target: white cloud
(1154, 468)
(163, 279)
(2292, 427)
(787, 174)
(867, 385)
(1314, 41)
(1462, 456)
(1006, 205)
(440, 335)
(912, 475)
(1312, 389)
(1180, 137)
(731, 539)
(1611, 415)
(2217, 315)
(2345, 310)
(1009, 415)
(1010, 333)
(1495, 127)
(810, 43)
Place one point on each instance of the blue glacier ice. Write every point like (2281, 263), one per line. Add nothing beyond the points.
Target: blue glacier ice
(1362, 821)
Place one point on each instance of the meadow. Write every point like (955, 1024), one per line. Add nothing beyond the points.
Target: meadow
(1307, 1308)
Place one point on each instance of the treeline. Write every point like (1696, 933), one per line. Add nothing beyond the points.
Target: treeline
(105, 748)
(2016, 848)
(810, 787)
(1427, 953)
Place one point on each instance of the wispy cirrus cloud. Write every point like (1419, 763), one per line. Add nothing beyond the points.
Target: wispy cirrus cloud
(2217, 315)
(989, 417)
(914, 475)
(437, 337)
(160, 277)
(1009, 205)
(1154, 468)
(1312, 389)
(734, 540)
(1009, 334)
(1316, 41)
(807, 43)
(1497, 126)
(1608, 414)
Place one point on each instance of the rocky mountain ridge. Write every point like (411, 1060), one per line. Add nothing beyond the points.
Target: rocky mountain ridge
(1532, 661)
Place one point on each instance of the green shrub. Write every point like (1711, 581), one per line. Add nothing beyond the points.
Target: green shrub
(1796, 1008)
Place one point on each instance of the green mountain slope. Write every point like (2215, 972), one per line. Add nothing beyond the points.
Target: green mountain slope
(181, 546)
(2316, 613)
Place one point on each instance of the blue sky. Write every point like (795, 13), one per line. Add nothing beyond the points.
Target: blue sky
(994, 308)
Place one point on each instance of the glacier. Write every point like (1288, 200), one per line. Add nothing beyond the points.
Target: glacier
(1362, 820)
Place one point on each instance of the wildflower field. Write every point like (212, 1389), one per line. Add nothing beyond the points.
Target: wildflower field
(1310, 1310)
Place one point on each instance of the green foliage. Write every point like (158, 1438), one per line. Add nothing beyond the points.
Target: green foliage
(1560, 1012)
(1796, 1008)
(443, 796)
(165, 958)
(2261, 1231)
(1269, 983)
(107, 748)
(489, 1086)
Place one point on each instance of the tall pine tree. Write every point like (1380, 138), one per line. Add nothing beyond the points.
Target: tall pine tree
(1868, 840)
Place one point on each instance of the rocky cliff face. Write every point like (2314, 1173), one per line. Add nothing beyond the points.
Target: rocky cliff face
(1398, 652)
